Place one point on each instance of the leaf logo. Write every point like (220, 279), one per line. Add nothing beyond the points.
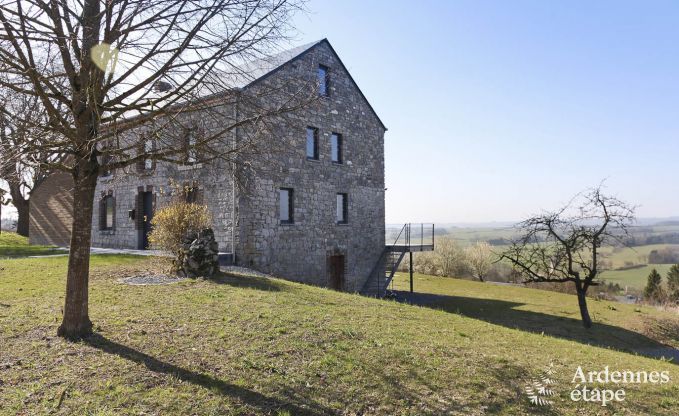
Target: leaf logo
(539, 389)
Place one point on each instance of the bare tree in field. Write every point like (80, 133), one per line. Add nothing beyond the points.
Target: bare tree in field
(22, 122)
(118, 67)
(563, 246)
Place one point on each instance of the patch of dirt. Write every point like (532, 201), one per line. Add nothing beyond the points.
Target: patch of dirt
(151, 279)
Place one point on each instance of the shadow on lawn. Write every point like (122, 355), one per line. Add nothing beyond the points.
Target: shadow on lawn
(249, 282)
(244, 396)
(505, 313)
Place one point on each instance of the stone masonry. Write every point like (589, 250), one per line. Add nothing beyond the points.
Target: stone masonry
(246, 218)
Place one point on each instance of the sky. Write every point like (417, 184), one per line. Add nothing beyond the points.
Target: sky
(499, 109)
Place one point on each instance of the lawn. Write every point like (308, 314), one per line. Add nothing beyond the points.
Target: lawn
(635, 278)
(243, 345)
(13, 245)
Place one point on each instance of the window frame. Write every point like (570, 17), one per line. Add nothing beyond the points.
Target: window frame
(316, 150)
(107, 200)
(291, 206)
(340, 148)
(325, 79)
(344, 197)
(148, 146)
(190, 142)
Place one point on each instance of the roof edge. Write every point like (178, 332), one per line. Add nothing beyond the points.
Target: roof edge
(304, 52)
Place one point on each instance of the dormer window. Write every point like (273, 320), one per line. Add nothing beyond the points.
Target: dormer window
(323, 81)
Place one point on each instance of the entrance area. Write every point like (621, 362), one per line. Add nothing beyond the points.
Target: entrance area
(336, 272)
(144, 217)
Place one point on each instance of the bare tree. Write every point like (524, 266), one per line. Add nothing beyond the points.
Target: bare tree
(563, 246)
(21, 126)
(109, 73)
(480, 259)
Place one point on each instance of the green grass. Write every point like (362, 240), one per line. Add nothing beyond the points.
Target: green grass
(266, 346)
(13, 245)
(635, 278)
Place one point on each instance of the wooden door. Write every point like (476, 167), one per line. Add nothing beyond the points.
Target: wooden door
(337, 272)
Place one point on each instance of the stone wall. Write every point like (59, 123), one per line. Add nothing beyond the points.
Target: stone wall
(50, 211)
(212, 180)
(301, 251)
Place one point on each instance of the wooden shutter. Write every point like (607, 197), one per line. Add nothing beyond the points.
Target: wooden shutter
(199, 195)
(139, 210)
(102, 213)
(113, 203)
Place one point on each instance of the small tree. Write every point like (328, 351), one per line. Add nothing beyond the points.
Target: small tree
(673, 283)
(653, 290)
(479, 259)
(563, 246)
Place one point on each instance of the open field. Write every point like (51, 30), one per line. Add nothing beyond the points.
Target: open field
(242, 345)
(635, 278)
(13, 245)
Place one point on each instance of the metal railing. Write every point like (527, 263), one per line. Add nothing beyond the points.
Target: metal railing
(411, 235)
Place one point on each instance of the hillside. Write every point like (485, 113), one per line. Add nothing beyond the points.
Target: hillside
(266, 346)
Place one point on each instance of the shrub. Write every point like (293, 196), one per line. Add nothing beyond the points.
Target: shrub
(174, 222)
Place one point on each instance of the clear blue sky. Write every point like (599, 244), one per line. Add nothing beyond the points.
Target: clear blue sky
(497, 109)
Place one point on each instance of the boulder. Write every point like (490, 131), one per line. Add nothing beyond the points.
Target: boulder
(198, 255)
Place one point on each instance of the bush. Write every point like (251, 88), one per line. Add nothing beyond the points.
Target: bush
(173, 223)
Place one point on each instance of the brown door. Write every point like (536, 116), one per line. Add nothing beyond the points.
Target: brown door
(337, 272)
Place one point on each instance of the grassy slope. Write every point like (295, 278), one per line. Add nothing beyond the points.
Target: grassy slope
(267, 346)
(13, 245)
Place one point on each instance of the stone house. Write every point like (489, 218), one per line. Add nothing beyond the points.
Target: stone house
(314, 210)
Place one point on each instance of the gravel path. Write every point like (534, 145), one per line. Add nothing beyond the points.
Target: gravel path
(154, 279)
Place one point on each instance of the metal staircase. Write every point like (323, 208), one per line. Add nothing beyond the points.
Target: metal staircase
(387, 265)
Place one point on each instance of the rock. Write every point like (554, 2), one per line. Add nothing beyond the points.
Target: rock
(198, 255)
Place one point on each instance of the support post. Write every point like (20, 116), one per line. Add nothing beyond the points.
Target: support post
(411, 271)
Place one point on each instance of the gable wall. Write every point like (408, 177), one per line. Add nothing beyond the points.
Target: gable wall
(301, 251)
(51, 207)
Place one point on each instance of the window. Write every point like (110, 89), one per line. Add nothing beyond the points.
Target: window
(106, 160)
(190, 148)
(145, 147)
(336, 147)
(106, 212)
(148, 149)
(286, 205)
(342, 209)
(312, 143)
(323, 81)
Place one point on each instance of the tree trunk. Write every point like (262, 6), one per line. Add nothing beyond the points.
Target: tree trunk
(76, 323)
(21, 206)
(23, 217)
(584, 312)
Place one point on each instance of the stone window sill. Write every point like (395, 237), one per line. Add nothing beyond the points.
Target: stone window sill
(107, 232)
(193, 166)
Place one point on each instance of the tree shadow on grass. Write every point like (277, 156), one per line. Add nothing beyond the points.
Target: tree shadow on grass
(249, 282)
(507, 314)
(267, 405)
